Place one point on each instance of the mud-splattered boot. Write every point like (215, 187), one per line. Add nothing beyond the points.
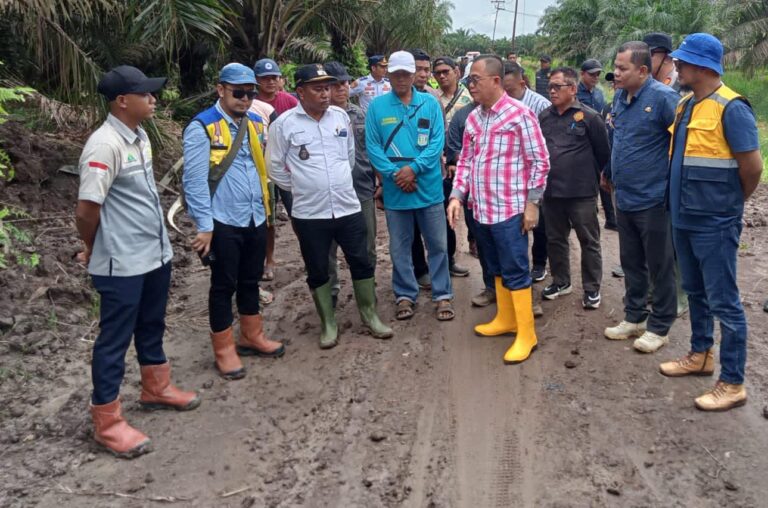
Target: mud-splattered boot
(365, 296)
(113, 433)
(254, 342)
(157, 391)
(227, 362)
(329, 334)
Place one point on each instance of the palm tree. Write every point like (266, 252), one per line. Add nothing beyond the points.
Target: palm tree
(746, 27)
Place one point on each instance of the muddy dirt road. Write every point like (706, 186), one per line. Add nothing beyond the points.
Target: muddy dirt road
(431, 418)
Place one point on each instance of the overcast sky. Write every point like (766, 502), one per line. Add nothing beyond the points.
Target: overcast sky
(478, 15)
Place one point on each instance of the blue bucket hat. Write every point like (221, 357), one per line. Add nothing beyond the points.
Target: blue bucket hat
(237, 74)
(267, 67)
(704, 50)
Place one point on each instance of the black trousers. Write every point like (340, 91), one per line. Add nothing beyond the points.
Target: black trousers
(539, 248)
(648, 257)
(237, 268)
(315, 237)
(610, 211)
(579, 214)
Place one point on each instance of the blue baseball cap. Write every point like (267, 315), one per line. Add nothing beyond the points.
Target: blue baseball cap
(267, 67)
(704, 50)
(237, 74)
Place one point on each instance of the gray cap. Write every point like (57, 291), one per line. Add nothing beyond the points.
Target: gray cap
(591, 65)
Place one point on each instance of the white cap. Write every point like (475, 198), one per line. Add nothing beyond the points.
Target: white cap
(401, 61)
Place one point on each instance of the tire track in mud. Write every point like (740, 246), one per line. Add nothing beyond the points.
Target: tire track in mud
(485, 395)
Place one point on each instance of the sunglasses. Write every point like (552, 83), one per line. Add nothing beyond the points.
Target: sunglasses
(239, 93)
(441, 73)
(556, 86)
(474, 80)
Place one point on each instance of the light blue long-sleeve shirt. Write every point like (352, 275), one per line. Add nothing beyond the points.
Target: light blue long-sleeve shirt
(238, 198)
(419, 148)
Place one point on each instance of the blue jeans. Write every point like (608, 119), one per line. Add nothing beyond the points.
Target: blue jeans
(708, 267)
(505, 249)
(431, 221)
(131, 307)
(472, 226)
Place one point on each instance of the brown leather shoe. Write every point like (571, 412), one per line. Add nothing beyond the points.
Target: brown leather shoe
(254, 342)
(692, 364)
(157, 392)
(722, 397)
(227, 362)
(113, 433)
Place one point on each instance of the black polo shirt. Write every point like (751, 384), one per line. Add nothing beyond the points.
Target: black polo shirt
(578, 148)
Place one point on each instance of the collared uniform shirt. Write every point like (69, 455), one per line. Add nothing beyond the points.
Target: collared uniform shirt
(314, 161)
(639, 167)
(116, 172)
(578, 147)
(464, 99)
(363, 176)
(542, 81)
(535, 102)
(238, 199)
(504, 161)
(368, 89)
(592, 99)
(418, 143)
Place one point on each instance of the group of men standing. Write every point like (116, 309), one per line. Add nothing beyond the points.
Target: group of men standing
(504, 156)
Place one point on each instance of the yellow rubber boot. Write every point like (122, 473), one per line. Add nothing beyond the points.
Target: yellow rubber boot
(504, 322)
(525, 342)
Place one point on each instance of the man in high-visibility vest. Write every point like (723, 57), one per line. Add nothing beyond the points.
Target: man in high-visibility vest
(231, 218)
(715, 166)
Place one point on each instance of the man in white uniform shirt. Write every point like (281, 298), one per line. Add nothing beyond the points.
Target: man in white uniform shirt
(310, 153)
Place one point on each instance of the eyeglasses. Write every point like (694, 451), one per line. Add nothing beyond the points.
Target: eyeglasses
(238, 93)
(557, 86)
(441, 73)
(473, 80)
(679, 64)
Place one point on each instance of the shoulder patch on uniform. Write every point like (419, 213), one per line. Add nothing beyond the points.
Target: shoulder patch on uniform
(388, 120)
(98, 165)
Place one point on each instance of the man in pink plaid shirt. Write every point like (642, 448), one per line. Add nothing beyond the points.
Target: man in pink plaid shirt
(503, 168)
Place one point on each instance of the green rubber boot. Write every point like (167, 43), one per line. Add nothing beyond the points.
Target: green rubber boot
(365, 295)
(329, 336)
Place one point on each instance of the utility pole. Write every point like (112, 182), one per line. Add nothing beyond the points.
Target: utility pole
(514, 26)
(499, 6)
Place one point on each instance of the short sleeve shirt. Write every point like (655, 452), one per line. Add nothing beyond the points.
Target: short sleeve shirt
(116, 172)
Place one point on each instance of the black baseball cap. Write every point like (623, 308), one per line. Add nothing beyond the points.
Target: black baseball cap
(126, 79)
(545, 58)
(591, 65)
(338, 71)
(312, 73)
(658, 40)
(444, 60)
(419, 55)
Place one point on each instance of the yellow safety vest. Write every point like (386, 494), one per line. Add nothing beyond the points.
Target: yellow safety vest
(710, 183)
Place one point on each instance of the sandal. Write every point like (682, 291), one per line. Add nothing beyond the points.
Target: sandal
(268, 275)
(445, 310)
(404, 310)
(266, 297)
